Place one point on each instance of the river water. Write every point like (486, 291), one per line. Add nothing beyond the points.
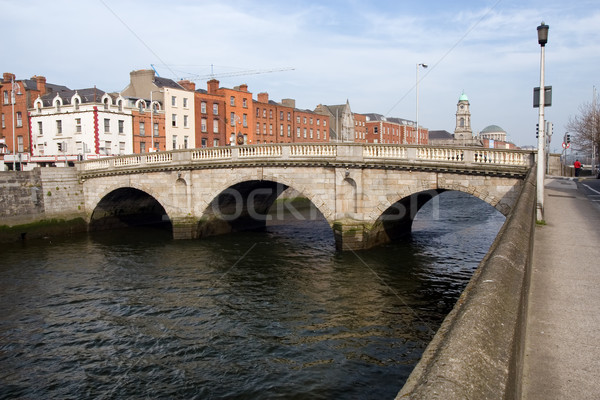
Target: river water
(275, 314)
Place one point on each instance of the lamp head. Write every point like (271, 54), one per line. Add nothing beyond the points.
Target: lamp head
(542, 31)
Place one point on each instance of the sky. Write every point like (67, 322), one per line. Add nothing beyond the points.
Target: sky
(327, 52)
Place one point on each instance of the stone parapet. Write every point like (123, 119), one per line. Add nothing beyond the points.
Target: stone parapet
(476, 353)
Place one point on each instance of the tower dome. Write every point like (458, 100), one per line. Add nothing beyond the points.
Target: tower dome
(463, 97)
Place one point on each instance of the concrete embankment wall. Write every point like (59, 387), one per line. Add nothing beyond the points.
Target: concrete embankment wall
(42, 202)
(477, 353)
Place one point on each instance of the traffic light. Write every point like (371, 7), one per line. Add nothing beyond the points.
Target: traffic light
(568, 138)
(537, 131)
(549, 128)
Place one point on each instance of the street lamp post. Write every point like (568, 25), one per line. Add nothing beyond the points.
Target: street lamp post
(542, 31)
(417, 86)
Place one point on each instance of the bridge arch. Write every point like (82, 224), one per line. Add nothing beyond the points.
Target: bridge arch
(243, 203)
(125, 207)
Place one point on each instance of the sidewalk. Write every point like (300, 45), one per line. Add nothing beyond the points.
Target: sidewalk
(562, 346)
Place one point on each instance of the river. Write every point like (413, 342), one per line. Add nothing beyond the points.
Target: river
(273, 314)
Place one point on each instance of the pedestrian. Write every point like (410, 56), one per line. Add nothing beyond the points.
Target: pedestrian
(577, 166)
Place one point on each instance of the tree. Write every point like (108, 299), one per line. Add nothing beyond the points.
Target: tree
(585, 127)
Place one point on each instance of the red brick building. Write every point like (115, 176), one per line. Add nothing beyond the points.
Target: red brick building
(210, 116)
(25, 93)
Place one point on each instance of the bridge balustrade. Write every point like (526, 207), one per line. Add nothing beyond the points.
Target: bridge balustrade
(339, 152)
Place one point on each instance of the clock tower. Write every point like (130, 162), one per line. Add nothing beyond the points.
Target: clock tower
(463, 119)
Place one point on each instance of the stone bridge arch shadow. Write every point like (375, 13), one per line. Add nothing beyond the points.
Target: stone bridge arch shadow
(251, 204)
(124, 207)
(396, 221)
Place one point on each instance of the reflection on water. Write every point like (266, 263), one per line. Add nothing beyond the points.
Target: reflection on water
(271, 314)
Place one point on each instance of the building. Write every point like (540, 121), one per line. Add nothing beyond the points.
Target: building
(71, 125)
(360, 128)
(25, 93)
(493, 132)
(177, 101)
(341, 127)
(393, 130)
(210, 111)
(463, 129)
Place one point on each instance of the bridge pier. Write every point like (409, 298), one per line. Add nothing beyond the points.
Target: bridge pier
(185, 228)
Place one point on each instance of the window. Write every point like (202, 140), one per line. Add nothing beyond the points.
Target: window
(40, 128)
(289, 131)
(264, 128)
(155, 131)
(298, 119)
(305, 133)
(264, 113)
(185, 142)
(318, 122)
(215, 109)
(281, 115)
(215, 126)
(78, 125)
(174, 120)
(271, 129)
(270, 113)
(203, 125)
(106, 125)
(311, 120)
(57, 105)
(324, 135)
(185, 121)
(142, 128)
(289, 116)
(232, 119)
(304, 120)
(324, 123)
(185, 104)
(257, 112)
(311, 133)
(297, 132)
(121, 147)
(20, 144)
(76, 101)
(58, 127)
(19, 119)
(318, 134)
(6, 97)
(245, 102)
(204, 142)
(280, 129)
(120, 103)
(173, 101)
(142, 147)
(203, 107)
(216, 142)
(174, 142)
(3, 121)
(232, 101)
(121, 126)
(245, 120)
(258, 128)
(107, 147)
(106, 104)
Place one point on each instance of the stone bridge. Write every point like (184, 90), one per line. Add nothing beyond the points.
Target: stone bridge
(368, 193)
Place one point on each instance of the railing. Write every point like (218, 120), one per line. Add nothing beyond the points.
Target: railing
(329, 152)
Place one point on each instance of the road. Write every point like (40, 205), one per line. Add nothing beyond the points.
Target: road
(591, 188)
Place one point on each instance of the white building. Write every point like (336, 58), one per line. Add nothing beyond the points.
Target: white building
(80, 124)
(178, 105)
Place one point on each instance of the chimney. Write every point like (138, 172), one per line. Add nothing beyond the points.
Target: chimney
(188, 85)
(289, 103)
(262, 97)
(7, 77)
(243, 87)
(41, 83)
(213, 86)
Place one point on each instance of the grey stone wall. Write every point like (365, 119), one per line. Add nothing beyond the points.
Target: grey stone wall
(21, 198)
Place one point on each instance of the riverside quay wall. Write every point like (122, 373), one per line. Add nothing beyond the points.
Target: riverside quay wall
(39, 203)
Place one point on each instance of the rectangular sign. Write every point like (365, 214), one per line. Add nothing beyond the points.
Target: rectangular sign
(547, 97)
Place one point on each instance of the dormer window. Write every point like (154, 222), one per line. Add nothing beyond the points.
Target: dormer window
(57, 105)
(76, 103)
(120, 105)
(106, 104)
